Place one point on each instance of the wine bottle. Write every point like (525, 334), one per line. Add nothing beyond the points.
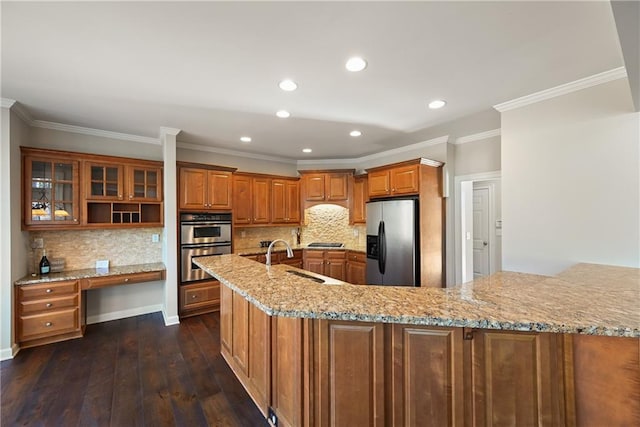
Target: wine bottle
(45, 267)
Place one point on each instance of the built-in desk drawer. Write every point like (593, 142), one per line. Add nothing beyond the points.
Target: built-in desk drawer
(47, 290)
(47, 324)
(122, 279)
(49, 304)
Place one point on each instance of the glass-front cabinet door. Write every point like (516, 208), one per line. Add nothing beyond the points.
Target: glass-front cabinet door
(144, 183)
(105, 181)
(52, 195)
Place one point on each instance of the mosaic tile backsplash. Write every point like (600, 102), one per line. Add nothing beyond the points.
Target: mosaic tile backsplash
(80, 249)
(322, 223)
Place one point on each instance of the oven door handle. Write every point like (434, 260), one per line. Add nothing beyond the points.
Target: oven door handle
(205, 245)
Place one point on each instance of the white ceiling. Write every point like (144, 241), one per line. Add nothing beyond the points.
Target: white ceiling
(212, 69)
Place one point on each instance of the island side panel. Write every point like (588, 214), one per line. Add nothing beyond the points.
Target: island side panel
(606, 377)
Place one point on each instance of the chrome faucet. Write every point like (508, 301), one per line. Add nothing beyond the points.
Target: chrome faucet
(289, 251)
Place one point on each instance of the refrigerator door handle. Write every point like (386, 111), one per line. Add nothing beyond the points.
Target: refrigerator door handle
(382, 247)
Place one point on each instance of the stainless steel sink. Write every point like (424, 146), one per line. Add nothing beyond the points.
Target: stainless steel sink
(306, 276)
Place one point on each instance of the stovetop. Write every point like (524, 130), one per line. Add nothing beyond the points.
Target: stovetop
(325, 245)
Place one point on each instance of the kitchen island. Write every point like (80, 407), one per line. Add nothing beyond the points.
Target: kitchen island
(509, 349)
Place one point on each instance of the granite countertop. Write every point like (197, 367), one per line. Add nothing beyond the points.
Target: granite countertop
(90, 272)
(282, 248)
(586, 299)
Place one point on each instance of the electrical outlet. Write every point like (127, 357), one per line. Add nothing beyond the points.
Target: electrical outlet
(272, 418)
(155, 238)
(38, 243)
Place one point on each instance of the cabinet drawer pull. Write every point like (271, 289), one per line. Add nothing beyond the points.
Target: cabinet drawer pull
(49, 290)
(48, 324)
(49, 305)
(194, 296)
(126, 279)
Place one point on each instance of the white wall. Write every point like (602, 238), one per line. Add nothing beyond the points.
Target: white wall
(243, 164)
(570, 176)
(478, 156)
(13, 241)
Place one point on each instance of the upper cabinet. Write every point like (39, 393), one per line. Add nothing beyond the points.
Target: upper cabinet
(75, 190)
(51, 186)
(203, 188)
(285, 195)
(330, 186)
(265, 200)
(359, 199)
(400, 179)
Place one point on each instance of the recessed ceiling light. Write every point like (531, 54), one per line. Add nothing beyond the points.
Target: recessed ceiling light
(356, 64)
(355, 133)
(283, 114)
(245, 139)
(307, 150)
(288, 85)
(438, 103)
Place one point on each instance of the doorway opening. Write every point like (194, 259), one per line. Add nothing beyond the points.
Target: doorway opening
(478, 226)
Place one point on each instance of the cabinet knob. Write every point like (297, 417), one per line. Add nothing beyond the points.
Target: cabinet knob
(49, 291)
(48, 324)
(194, 296)
(130, 196)
(126, 279)
(120, 196)
(49, 305)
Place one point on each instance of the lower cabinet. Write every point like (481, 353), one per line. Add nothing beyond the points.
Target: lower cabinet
(279, 258)
(312, 372)
(331, 263)
(356, 267)
(349, 374)
(199, 298)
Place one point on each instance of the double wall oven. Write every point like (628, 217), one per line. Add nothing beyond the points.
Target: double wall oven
(202, 234)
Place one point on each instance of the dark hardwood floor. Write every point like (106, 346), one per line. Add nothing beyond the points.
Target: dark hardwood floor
(128, 372)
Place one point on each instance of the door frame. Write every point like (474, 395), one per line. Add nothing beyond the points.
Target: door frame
(463, 212)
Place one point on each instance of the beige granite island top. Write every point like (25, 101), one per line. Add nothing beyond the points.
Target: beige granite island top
(88, 273)
(586, 299)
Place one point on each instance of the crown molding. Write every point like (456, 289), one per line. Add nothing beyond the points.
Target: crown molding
(382, 154)
(7, 102)
(596, 79)
(477, 136)
(94, 132)
(199, 147)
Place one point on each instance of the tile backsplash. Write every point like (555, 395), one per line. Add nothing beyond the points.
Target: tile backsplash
(80, 249)
(322, 223)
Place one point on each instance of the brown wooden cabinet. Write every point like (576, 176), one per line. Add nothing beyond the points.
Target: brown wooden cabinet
(199, 298)
(331, 263)
(205, 188)
(279, 258)
(358, 200)
(246, 343)
(51, 189)
(427, 368)
(516, 376)
(285, 195)
(356, 267)
(251, 199)
(48, 312)
(394, 181)
(330, 186)
(349, 381)
(75, 190)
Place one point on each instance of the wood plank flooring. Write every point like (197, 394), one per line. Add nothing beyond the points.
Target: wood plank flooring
(128, 372)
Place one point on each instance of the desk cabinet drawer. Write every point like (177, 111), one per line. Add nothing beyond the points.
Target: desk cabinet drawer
(357, 256)
(47, 290)
(49, 304)
(46, 324)
(122, 279)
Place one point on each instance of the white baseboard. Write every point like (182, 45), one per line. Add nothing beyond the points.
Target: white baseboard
(122, 314)
(170, 320)
(9, 353)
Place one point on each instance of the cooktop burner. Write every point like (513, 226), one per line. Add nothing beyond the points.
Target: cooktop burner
(324, 245)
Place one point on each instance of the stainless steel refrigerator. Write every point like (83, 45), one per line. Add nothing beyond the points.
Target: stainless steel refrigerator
(393, 243)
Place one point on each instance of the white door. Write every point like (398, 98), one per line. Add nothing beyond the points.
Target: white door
(480, 232)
